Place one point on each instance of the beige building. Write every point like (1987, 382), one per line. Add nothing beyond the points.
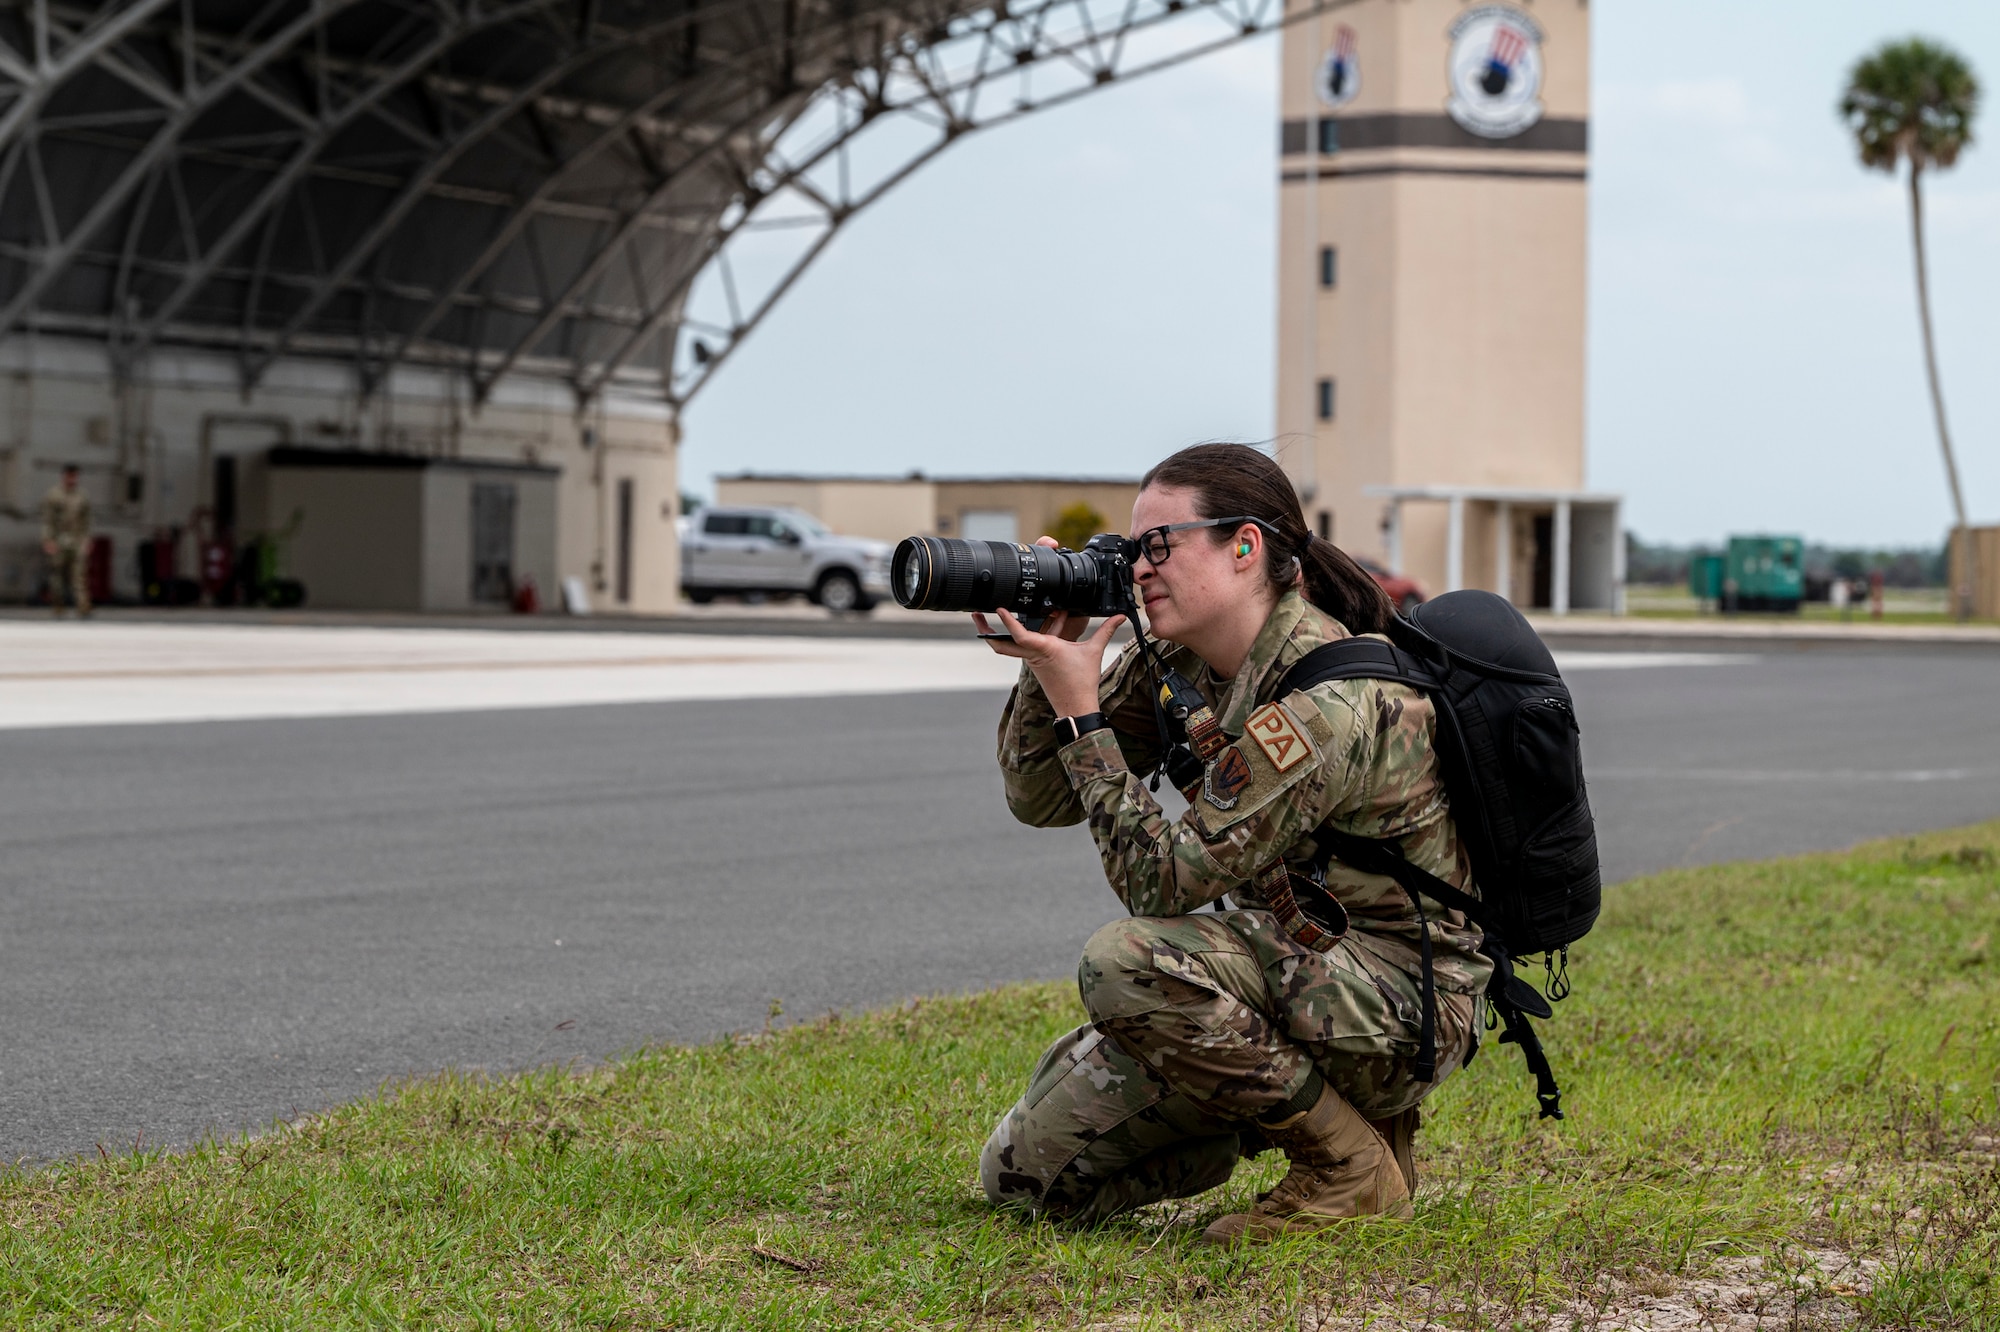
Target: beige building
(1431, 301)
(999, 508)
(1982, 546)
(399, 532)
(410, 508)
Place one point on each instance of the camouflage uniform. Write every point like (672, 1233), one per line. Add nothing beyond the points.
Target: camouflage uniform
(66, 525)
(1200, 1023)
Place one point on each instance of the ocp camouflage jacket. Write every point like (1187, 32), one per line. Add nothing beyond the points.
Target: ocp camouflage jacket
(1353, 752)
(65, 518)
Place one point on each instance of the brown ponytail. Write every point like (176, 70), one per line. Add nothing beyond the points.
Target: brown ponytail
(1231, 479)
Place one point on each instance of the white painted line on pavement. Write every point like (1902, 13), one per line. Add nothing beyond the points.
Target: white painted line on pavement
(107, 675)
(1766, 776)
(1632, 661)
(98, 674)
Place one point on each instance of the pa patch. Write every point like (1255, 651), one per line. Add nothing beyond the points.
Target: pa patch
(1271, 727)
(1222, 785)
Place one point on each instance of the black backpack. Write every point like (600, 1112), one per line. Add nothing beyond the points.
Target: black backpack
(1508, 749)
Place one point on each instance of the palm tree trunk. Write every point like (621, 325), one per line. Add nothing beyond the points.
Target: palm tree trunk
(1961, 595)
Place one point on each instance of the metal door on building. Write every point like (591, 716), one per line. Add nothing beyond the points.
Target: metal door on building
(1543, 594)
(990, 525)
(622, 583)
(493, 542)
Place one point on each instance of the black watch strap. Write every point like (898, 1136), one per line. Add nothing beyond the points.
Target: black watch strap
(1071, 729)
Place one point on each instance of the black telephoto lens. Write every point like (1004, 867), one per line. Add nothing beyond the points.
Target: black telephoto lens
(947, 574)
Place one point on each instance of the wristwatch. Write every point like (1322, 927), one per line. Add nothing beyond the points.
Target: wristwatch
(1071, 729)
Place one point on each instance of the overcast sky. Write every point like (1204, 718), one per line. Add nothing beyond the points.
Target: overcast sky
(1091, 288)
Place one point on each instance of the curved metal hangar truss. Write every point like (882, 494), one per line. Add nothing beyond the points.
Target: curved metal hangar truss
(608, 192)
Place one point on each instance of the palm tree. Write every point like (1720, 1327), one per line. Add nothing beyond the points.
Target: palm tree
(1915, 100)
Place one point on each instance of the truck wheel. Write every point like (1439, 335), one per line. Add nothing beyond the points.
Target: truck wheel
(840, 592)
(700, 596)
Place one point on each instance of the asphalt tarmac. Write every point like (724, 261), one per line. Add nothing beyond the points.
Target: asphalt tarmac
(205, 927)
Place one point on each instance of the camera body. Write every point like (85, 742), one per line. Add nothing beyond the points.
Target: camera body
(1112, 580)
(949, 574)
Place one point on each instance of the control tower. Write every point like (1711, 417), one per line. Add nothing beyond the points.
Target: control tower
(1432, 256)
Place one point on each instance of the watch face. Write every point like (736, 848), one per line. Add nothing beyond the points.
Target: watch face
(1339, 76)
(1495, 71)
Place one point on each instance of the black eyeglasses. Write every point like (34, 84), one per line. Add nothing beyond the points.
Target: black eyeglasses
(1152, 542)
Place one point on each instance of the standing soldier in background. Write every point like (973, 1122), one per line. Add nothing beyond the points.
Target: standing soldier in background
(66, 541)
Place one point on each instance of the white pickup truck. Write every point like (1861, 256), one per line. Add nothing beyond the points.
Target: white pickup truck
(737, 549)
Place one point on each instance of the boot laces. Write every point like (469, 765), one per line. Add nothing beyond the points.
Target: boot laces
(1297, 1188)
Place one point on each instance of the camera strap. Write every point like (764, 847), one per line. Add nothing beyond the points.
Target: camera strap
(1178, 710)
(1186, 705)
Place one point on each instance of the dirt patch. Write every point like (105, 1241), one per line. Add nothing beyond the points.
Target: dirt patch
(1811, 1288)
(1805, 1289)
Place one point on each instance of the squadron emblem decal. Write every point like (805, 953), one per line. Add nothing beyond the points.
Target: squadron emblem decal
(1271, 727)
(1339, 73)
(1222, 785)
(1495, 71)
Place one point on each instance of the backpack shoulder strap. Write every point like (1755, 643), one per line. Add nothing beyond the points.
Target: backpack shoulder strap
(1386, 858)
(1372, 659)
(1355, 659)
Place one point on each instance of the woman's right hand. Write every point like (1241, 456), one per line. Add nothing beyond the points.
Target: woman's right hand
(1069, 667)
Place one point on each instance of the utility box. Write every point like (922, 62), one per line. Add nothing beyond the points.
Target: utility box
(382, 531)
(1705, 578)
(1763, 573)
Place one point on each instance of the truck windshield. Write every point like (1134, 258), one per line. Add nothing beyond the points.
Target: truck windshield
(808, 524)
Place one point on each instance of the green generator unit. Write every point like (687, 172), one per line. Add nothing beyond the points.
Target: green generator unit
(1705, 578)
(1763, 573)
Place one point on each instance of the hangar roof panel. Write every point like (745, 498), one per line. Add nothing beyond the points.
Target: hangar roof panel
(553, 188)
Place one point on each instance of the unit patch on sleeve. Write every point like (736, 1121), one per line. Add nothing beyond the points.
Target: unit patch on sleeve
(1222, 785)
(1273, 730)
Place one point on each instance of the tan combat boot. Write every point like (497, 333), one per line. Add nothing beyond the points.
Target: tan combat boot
(1400, 1132)
(1341, 1168)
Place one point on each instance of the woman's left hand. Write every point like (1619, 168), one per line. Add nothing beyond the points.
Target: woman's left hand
(1068, 667)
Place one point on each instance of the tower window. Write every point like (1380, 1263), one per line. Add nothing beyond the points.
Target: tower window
(1329, 266)
(1326, 399)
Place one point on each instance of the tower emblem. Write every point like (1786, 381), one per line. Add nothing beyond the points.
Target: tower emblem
(1495, 71)
(1340, 73)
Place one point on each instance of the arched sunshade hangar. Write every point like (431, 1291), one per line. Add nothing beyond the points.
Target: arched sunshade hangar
(612, 193)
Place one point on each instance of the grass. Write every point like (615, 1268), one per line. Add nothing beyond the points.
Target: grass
(1767, 1066)
(1906, 606)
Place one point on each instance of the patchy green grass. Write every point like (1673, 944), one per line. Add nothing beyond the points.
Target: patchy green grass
(1923, 606)
(1781, 1080)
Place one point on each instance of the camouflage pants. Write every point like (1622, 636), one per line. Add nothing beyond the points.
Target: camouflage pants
(69, 566)
(1200, 1024)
